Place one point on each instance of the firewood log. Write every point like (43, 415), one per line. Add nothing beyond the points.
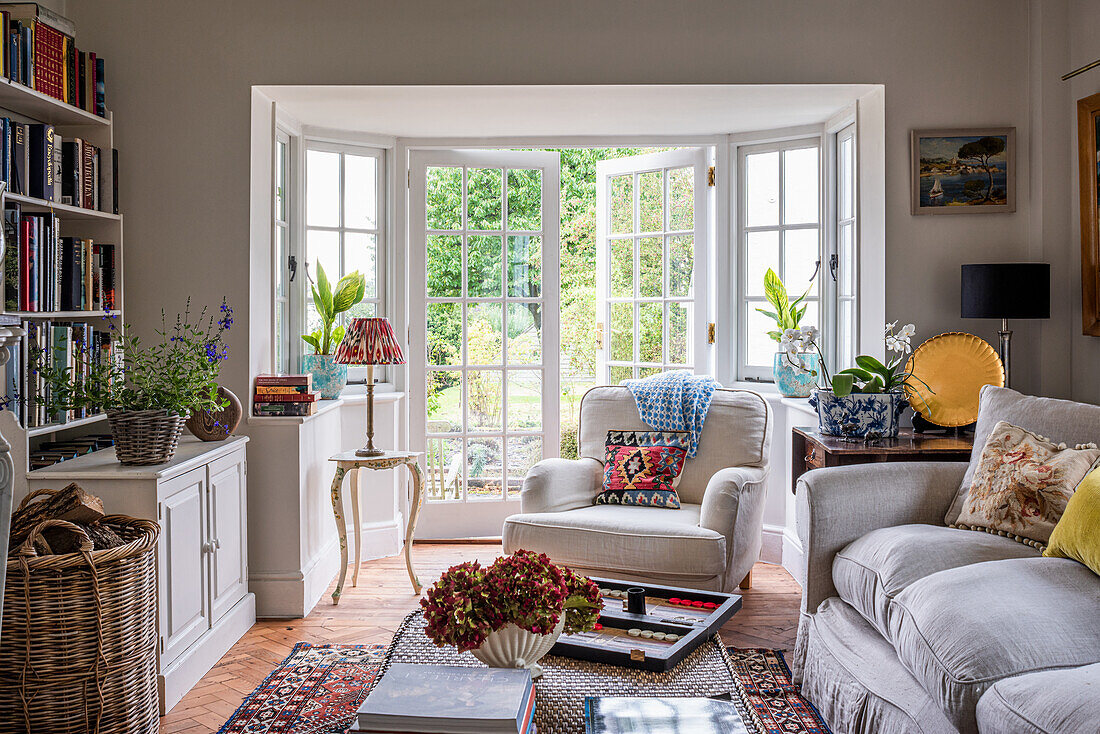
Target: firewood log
(72, 504)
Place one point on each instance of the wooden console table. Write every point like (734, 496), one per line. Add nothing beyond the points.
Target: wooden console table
(349, 463)
(813, 450)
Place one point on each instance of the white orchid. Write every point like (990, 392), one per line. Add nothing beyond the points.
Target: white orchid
(890, 325)
(907, 331)
(792, 334)
(808, 334)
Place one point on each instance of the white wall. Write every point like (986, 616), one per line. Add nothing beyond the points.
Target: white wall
(179, 77)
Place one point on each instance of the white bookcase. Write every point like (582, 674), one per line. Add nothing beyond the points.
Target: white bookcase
(24, 104)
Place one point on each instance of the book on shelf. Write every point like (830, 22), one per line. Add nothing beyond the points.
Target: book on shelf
(478, 700)
(280, 390)
(283, 410)
(305, 380)
(290, 397)
(38, 163)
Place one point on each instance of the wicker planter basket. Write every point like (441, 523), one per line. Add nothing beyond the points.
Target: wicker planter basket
(78, 649)
(145, 436)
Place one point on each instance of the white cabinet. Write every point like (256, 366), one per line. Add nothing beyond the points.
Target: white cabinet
(199, 500)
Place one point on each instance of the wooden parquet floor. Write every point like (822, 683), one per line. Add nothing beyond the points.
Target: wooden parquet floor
(371, 612)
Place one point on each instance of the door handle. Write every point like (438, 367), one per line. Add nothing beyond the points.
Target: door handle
(208, 547)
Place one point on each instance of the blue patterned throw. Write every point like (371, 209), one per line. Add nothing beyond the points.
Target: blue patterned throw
(674, 401)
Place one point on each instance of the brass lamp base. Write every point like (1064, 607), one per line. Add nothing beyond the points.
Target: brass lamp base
(369, 449)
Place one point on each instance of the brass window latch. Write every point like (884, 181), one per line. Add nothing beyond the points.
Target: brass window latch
(710, 332)
(599, 335)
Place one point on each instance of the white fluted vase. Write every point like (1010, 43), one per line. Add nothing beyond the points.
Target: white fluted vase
(513, 647)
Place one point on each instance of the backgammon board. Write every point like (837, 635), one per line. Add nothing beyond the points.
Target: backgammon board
(675, 622)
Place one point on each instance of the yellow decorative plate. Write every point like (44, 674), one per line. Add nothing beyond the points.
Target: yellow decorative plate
(955, 366)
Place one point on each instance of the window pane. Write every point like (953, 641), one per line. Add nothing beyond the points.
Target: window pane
(651, 265)
(484, 333)
(622, 268)
(759, 347)
(280, 179)
(322, 188)
(444, 192)
(622, 204)
(524, 333)
(525, 400)
(444, 468)
(800, 185)
(762, 189)
(444, 390)
(845, 188)
(362, 310)
(681, 194)
(679, 335)
(483, 266)
(681, 264)
(524, 266)
(812, 316)
(621, 332)
(647, 371)
(618, 373)
(651, 201)
(323, 247)
(360, 191)
(761, 253)
(282, 358)
(846, 340)
(445, 333)
(651, 323)
(360, 252)
(847, 261)
(444, 266)
(485, 394)
(801, 252)
(485, 469)
(523, 453)
(484, 189)
(524, 199)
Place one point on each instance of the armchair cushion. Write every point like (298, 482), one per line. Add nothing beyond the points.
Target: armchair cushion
(868, 573)
(642, 467)
(1048, 702)
(642, 541)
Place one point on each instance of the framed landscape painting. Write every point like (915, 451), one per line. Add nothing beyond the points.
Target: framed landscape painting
(967, 171)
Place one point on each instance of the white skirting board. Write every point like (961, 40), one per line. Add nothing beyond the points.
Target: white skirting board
(782, 547)
(181, 676)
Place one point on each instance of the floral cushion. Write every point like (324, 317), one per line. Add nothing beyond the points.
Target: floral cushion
(642, 468)
(1022, 484)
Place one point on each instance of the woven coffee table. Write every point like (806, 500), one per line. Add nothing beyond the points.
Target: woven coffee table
(560, 692)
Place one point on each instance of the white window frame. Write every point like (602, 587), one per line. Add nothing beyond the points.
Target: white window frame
(356, 374)
(759, 373)
(280, 261)
(835, 266)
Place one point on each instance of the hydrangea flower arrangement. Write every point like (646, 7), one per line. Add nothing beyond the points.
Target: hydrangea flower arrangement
(177, 373)
(469, 602)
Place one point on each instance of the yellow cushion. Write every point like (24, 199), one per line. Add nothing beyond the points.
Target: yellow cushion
(1076, 535)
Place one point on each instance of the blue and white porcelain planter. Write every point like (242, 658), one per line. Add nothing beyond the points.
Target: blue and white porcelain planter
(859, 415)
(329, 378)
(790, 380)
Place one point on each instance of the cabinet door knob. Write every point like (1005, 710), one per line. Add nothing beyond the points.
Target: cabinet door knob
(208, 547)
(217, 544)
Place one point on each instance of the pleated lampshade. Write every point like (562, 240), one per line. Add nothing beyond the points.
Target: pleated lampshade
(369, 341)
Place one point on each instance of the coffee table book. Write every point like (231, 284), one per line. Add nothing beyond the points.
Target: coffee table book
(635, 715)
(448, 699)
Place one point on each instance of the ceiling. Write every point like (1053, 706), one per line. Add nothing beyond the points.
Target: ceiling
(563, 111)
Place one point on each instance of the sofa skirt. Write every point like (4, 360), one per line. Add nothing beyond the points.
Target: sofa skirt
(854, 678)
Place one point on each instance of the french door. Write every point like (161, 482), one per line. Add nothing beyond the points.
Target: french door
(651, 256)
(483, 264)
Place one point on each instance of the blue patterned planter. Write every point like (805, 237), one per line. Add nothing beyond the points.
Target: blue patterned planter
(792, 382)
(860, 415)
(329, 378)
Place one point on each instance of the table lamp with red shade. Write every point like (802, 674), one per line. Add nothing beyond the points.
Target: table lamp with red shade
(369, 341)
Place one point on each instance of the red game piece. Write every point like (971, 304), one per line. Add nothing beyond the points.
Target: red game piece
(710, 605)
(598, 627)
(697, 604)
(674, 600)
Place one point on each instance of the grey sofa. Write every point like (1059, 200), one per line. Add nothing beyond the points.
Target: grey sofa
(911, 626)
(710, 543)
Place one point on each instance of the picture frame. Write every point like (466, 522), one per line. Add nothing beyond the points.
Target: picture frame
(963, 171)
(1088, 159)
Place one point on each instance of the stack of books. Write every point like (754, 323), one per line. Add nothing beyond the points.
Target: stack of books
(39, 50)
(451, 700)
(37, 162)
(45, 272)
(284, 395)
(49, 453)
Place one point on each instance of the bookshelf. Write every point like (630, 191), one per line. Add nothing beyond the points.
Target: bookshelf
(25, 105)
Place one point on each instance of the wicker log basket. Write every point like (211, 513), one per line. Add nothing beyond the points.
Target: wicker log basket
(78, 650)
(145, 437)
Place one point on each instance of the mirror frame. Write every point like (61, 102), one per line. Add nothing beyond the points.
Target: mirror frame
(1088, 142)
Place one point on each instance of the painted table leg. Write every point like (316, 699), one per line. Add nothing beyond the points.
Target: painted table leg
(341, 530)
(358, 524)
(414, 511)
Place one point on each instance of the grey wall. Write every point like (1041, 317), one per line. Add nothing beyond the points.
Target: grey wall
(179, 76)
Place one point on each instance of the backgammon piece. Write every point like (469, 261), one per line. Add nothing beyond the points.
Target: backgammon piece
(710, 605)
(659, 635)
(674, 600)
(647, 634)
(605, 592)
(697, 604)
(634, 632)
(671, 637)
(598, 627)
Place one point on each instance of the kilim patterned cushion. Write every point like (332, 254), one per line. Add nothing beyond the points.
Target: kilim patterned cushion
(641, 468)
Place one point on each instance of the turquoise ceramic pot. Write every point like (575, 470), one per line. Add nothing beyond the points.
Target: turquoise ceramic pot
(329, 378)
(791, 381)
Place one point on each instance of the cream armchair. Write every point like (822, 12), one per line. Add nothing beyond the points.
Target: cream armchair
(710, 543)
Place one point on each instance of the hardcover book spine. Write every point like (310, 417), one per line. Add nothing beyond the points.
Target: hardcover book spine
(6, 157)
(12, 284)
(279, 390)
(88, 263)
(41, 151)
(5, 44)
(268, 380)
(70, 280)
(95, 179)
(114, 180)
(19, 159)
(58, 142)
(87, 183)
(291, 397)
(283, 409)
(30, 282)
(100, 89)
(49, 60)
(108, 277)
(70, 171)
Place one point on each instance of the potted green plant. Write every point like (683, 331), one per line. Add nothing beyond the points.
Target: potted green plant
(330, 378)
(794, 368)
(511, 613)
(147, 391)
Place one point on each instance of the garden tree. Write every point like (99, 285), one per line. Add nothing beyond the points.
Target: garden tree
(981, 152)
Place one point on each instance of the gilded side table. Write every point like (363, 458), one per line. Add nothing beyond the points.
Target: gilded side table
(348, 462)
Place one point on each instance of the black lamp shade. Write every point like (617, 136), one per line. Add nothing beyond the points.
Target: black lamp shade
(1006, 291)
